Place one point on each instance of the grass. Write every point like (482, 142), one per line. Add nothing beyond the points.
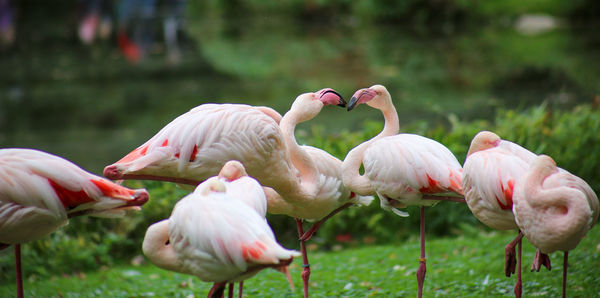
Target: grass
(457, 267)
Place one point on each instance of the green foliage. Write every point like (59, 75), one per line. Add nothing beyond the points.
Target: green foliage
(569, 136)
(456, 267)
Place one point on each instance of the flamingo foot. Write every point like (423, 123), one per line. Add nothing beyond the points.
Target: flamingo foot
(539, 260)
(421, 276)
(305, 277)
(510, 260)
(217, 290)
(518, 289)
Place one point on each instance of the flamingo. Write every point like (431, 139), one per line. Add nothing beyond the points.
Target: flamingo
(217, 236)
(40, 192)
(402, 169)
(300, 181)
(554, 209)
(491, 170)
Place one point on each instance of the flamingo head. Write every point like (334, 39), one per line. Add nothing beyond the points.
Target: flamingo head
(232, 170)
(375, 96)
(482, 141)
(309, 105)
(211, 185)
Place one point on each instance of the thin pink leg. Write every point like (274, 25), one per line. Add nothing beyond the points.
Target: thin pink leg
(565, 265)
(315, 227)
(305, 265)
(422, 263)
(519, 285)
(240, 289)
(217, 290)
(230, 290)
(19, 272)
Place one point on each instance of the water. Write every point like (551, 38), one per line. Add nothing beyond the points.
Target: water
(88, 104)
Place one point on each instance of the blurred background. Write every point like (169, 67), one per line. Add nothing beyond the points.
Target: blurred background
(92, 80)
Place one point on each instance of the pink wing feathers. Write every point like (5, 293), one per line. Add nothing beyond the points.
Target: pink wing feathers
(220, 238)
(196, 144)
(406, 166)
(40, 191)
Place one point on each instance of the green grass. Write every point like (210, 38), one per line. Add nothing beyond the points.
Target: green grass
(457, 267)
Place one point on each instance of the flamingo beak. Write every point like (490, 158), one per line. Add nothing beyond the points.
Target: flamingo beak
(330, 96)
(352, 103)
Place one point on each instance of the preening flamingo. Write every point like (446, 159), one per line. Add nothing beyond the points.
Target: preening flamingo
(302, 181)
(402, 169)
(216, 237)
(39, 192)
(554, 209)
(491, 170)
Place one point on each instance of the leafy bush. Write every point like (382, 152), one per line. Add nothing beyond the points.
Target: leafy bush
(570, 137)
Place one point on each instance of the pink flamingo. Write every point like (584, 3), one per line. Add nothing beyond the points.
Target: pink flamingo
(402, 169)
(554, 209)
(491, 170)
(40, 192)
(217, 235)
(301, 181)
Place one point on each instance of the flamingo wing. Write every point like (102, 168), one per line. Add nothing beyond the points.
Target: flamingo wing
(489, 180)
(406, 166)
(220, 238)
(40, 191)
(196, 144)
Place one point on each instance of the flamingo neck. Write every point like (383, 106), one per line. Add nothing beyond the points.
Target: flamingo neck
(351, 176)
(301, 160)
(158, 249)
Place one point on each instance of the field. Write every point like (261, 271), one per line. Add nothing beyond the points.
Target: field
(470, 265)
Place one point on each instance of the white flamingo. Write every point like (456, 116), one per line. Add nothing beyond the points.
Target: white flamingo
(554, 209)
(491, 170)
(216, 235)
(39, 192)
(402, 169)
(301, 181)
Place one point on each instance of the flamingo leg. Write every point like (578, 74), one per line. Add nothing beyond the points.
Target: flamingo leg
(305, 264)
(422, 262)
(240, 289)
(230, 290)
(440, 198)
(539, 260)
(519, 284)
(564, 282)
(18, 271)
(509, 255)
(315, 227)
(217, 290)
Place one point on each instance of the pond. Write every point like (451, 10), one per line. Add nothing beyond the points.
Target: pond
(92, 106)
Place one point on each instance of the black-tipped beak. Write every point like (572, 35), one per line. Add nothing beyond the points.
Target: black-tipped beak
(352, 103)
(341, 101)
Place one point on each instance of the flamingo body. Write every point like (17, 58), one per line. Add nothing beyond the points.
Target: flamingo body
(197, 144)
(554, 209)
(39, 192)
(405, 167)
(490, 174)
(215, 236)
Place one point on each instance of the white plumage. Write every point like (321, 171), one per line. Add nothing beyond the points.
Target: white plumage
(216, 234)
(39, 192)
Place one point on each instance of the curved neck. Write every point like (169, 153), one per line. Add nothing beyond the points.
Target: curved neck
(158, 249)
(299, 157)
(351, 176)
